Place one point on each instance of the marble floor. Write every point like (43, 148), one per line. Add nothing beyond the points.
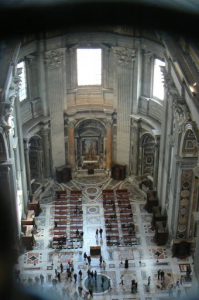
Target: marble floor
(142, 259)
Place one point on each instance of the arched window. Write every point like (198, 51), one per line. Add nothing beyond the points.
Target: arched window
(23, 84)
(158, 85)
(89, 67)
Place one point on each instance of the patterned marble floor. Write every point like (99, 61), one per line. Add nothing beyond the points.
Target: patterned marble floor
(142, 259)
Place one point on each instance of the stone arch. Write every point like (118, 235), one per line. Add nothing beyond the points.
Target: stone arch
(147, 154)
(188, 142)
(90, 135)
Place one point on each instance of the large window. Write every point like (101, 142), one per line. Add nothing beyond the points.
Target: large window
(23, 84)
(89, 66)
(158, 85)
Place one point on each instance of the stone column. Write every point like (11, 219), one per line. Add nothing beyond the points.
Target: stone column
(46, 148)
(71, 144)
(125, 61)
(156, 162)
(55, 75)
(109, 145)
(42, 76)
(135, 144)
(27, 163)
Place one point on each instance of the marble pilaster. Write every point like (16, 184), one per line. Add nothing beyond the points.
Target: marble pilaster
(46, 151)
(71, 144)
(156, 162)
(27, 164)
(54, 62)
(109, 146)
(125, 60)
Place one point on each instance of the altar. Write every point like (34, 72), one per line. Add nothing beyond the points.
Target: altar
(88, 164)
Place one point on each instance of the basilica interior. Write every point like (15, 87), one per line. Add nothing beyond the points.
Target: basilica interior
(99, 130)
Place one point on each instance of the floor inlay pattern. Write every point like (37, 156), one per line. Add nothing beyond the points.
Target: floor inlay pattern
(142, 256)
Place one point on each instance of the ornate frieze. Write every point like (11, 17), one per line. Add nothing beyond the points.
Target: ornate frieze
(124, 55)
(184, 204)
(54, 58)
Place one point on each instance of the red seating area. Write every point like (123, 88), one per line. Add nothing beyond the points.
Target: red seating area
(68, 217)
(126, 216)
(123, 216)
(111, 225)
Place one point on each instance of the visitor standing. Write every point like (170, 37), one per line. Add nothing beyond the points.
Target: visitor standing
(75, 277)
(89, 260)
(149, 281)
(41, 279)
(100, 260)
(104, 265)
(61, 268)
(101, 231)
(80, 274)
(122, 279)
(126, 264)
(85, 256)
(162, 275)
(159, 274)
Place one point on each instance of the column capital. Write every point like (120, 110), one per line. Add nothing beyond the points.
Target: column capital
(109, 123)
(71, 123)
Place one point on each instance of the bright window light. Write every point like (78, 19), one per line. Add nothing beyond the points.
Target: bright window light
(23, 83)
(158, 85)
(89, 65)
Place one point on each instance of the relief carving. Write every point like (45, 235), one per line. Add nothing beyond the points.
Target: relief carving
(54, 58)
(124, 55)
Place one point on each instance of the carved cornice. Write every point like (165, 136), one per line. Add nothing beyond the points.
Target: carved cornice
(54, 58)
(169, 84)
(124, 55)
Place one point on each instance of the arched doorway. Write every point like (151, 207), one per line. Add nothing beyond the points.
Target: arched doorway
(90, 140)
(147, 157)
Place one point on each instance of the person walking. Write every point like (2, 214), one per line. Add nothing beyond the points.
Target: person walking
(100, 260)
(80, 274)
(104, 265)
(85, 256)
(162, 275)
(101, 231)
(149, 281)
(59, 277)
(61, 268)
(41, 279)
(97, 231)
(126, 264)
(159, 274)
(77, 233)
(122, 279)
(75, 277)
(89, 260)
(56, 272)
